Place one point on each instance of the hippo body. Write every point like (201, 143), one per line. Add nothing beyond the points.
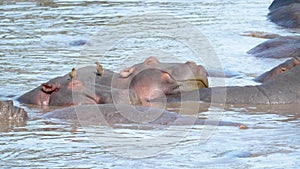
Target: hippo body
(282, 89)
(112, 115)
(285, 13)
(88, 87)
(11, 114)
(280, 47)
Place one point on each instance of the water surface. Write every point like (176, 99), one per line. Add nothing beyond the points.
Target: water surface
(35, 47)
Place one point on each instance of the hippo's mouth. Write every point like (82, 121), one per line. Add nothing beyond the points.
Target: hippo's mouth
(191, 84)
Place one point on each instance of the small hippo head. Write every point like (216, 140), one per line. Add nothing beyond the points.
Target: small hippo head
(287, 65)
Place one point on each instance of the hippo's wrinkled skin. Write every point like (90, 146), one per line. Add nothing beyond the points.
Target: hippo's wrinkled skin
(287, 65)
(285, 13)
(280, 47)
(89, 88)
(11, 114)
(111, 115)
(282, 89)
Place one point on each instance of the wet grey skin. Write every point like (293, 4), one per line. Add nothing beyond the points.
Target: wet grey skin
(282, 89)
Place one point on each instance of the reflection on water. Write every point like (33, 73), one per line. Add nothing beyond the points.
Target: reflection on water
(35, 47)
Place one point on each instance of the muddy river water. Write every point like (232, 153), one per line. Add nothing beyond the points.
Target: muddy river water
(39, 41)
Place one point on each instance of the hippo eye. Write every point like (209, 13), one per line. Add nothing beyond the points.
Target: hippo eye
(283, 69)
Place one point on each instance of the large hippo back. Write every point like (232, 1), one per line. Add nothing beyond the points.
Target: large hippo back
(282, 89)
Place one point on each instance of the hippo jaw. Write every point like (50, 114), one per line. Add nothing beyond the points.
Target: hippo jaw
(191, 84)
(195, 76)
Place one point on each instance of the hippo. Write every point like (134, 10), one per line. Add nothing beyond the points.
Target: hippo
(11, 115)
(112, 115)
(280, 3)
(88, 87)
(63, 91)
(287, 65)
(182, 73)
(282, 89)
(280, 47)
(285, 13)
(107, 114)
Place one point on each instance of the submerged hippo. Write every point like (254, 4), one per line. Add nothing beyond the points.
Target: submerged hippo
(114, 115)
(287, 65)
(285, 13)
(88, 87)
(280, 47)
(282, 89)
(11, 114)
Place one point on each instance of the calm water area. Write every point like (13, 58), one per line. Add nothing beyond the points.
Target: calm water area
(36, 44)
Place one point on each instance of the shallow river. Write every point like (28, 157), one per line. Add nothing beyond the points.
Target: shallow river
(37, 44)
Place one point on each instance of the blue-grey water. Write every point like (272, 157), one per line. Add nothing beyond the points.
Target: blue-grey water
(35, 47)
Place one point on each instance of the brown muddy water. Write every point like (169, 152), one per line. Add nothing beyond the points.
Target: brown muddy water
(36, 45)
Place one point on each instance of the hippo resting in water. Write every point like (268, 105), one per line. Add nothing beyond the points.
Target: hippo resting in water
(88, 87)
(287, 65)
(11, 116)
(280, 47)
(282, 89)
(285, 13)
(113, 115)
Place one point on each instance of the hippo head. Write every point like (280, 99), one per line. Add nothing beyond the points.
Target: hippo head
(63, 91)
(287, 65)
(40, 95)
(57, 92)
(152, 78)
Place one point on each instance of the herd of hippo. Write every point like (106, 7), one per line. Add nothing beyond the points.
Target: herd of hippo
(86, 90)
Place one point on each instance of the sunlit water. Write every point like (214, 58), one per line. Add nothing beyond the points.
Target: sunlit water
(35, 47)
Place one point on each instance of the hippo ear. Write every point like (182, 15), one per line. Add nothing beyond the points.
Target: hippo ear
(165, 77)
(151, 61)
(50, 88)
(127, 72)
